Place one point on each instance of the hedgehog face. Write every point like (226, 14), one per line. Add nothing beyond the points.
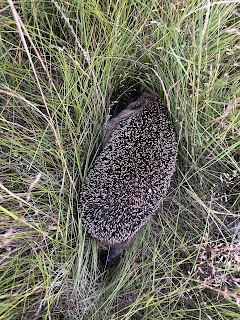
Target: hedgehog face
(139, 154)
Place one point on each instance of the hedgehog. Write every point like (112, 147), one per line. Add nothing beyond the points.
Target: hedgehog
(131, 175)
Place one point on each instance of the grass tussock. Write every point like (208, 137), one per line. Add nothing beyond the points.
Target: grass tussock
(63, 63)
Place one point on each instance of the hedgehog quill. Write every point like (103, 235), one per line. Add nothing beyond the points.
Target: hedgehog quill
(131, 175)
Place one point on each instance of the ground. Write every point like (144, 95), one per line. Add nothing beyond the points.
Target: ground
(63, 66)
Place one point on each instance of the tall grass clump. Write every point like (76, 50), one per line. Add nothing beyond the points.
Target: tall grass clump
(63, 64)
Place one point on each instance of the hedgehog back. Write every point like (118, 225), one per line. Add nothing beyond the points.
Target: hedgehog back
(130, 176)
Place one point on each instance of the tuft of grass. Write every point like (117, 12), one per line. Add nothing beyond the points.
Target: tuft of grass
(63, 64)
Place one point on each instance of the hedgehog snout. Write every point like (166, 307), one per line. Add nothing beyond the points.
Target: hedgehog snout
(107, 258)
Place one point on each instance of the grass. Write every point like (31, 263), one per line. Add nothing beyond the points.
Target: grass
(62, 65)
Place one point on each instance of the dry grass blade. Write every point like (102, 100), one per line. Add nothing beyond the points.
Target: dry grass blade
(63, 64)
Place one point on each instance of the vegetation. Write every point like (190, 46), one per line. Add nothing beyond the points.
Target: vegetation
(63, 63)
